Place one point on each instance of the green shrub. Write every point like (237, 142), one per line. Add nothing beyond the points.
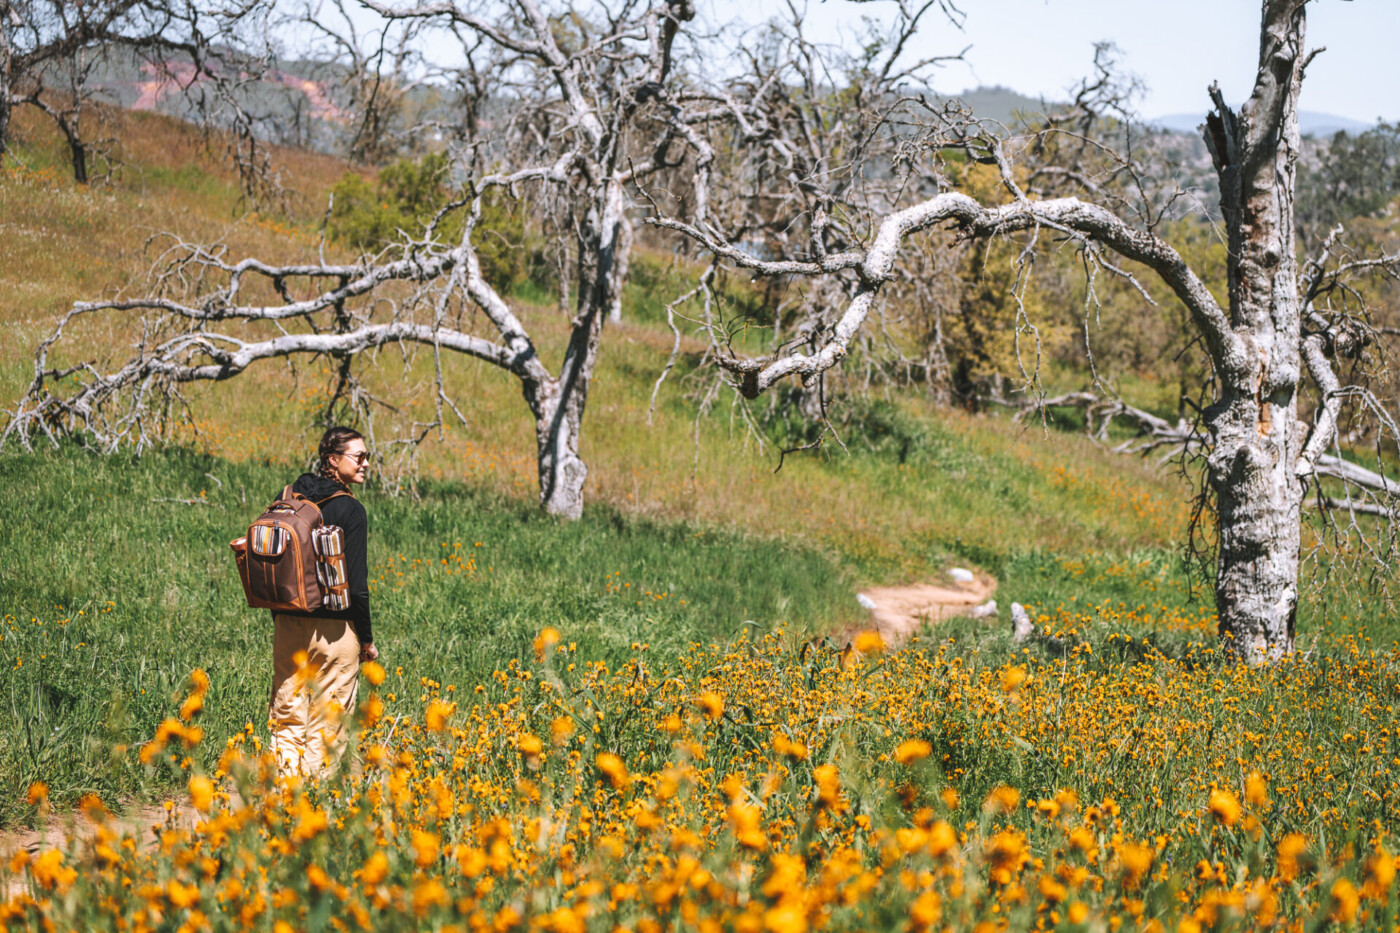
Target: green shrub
(370, 215)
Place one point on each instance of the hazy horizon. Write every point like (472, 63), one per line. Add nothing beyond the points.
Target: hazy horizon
(1041, 48)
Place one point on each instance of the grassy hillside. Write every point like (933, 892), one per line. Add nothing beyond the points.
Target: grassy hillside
(662, 470)
(111, 597)
(640, 719)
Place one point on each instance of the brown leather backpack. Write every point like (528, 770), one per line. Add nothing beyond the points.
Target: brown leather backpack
(275, 559)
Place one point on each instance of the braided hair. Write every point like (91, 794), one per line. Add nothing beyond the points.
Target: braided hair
(334, 442)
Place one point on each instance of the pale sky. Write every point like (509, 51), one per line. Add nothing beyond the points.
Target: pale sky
(1042, 47)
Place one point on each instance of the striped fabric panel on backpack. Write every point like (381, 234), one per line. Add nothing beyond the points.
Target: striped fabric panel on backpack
(328, 541)
(336, 600)
(330, 573)
(268, 540)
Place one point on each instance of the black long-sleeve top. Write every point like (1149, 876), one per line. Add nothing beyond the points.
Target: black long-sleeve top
(349, 514)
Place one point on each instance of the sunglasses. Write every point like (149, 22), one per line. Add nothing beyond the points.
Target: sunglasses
(361, 458)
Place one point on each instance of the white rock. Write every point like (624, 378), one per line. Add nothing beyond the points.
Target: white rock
(989, 608)
(961, 575)
(865, 601)
(1022, 626)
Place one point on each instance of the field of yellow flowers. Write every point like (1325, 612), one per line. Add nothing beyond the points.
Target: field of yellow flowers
(784, 785)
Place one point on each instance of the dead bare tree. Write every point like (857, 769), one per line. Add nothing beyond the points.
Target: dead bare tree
(1263, 344)
(586, 115)
(809, 139)
(66, 102)
(47, 50)
(50, 51)
(368, 75)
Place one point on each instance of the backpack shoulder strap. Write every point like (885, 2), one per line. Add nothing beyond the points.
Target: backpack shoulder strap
(334, 495)
(287, 492)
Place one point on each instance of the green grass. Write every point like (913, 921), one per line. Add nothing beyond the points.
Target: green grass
(111, 598)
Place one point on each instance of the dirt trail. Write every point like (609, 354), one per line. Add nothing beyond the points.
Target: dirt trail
(60, 829)
(900, 611)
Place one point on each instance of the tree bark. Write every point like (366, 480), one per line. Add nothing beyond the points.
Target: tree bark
(6, 107)
(4, 121)
(559, 404)
(77, 151)
(562, 472)
(622, 261)
(8, 20)
(1254, 425)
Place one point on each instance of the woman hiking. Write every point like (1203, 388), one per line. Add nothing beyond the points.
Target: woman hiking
(316, 655)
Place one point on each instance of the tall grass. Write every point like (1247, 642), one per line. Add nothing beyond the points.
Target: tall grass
(111, 597)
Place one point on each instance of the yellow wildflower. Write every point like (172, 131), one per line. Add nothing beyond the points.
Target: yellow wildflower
(711, 704)
(436, 716)
(828, 781)
(425, 848)
(318, 878)
(1289, 848)
(546, 639)
(1224, 806)
(1256, 790)
(201, 793)
(1344, 903)
(374, 672)
(1002, 799)
(181, 895)
(375, 870)
(193, 705)
(561, 728)
(925, 911)
(745, 821)
(427, 894)
(869, 642)
(614, 770)
(912, 750)
(50, 872)
(1380, 872)
(941, 839)
(1006, 855)
(785, 918)
(1135, 861)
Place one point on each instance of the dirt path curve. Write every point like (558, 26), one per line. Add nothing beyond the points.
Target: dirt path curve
(144, 823)
(62, 828)
(898, 612)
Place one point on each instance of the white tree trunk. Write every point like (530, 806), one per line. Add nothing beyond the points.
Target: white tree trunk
(558, 405)
(622, 261)
(1255, 428)
(4, 121)
(562, 471)
(6, 58)
(1259, 501)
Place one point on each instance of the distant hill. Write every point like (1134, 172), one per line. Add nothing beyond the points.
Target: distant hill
(1005, 105)
(1000, 103)
(1310, 123)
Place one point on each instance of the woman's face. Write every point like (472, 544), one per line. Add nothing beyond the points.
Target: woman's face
(352, 463)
